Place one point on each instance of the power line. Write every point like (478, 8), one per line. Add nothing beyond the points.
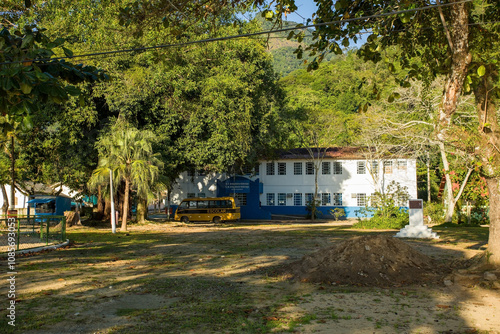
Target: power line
(225, 38)
(359, 33)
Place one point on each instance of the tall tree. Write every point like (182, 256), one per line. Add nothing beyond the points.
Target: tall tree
(128, 153)
(30, 77)
(455, 38)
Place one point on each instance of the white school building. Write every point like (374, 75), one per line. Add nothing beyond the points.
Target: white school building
(283, 186)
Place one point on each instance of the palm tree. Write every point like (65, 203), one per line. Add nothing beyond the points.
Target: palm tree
(128, 152)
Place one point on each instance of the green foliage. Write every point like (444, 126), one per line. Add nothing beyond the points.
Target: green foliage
(337, 213)
(480, 215)
(29, 78)
(127, 152)
(209, 105)
(435, 211)
(397, 219)
(283, 46)
(435, 168)
(312, 209)
(476, 189)
(385, 209)
(395, 195)
(330, 102)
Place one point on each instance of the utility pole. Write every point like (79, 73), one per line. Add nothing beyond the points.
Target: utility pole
(113, 216)
(13, 185)
(428, 178)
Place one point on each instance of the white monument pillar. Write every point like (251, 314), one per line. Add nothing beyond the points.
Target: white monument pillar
(416, 228)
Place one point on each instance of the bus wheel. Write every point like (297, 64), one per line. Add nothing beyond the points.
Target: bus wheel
(216, 220)
(185, 219)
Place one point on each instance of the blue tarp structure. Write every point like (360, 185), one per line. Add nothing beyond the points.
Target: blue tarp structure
(60, 204)
(41, 200)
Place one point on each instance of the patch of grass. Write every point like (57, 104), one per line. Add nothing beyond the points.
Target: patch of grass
(452, 232)
(200, 298)
(306, 319)
(122, 312)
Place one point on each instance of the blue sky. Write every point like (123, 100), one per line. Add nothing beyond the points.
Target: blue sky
(305, 10)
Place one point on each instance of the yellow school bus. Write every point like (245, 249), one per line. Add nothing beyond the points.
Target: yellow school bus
(215, 209)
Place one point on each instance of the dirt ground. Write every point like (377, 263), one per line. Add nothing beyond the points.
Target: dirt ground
(177, 278)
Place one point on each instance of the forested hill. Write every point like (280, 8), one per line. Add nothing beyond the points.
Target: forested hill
(285, 61)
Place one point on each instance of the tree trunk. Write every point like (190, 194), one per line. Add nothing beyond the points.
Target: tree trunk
(141, 211)
(168, 203)
(125, 205)
(13, 176)
(100, 202)
(494, 238)
(120, 196)
(5, 205)
(489, 153)
(107, 209)
(460, 62)
(314, 209)
(428, 178)
(449, 201)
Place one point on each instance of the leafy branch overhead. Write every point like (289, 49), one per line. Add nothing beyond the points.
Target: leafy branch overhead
(30, 76)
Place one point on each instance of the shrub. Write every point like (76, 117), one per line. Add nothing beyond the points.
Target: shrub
(337, 213)
(385, 209)
(311, 207)
(398, 219)
(435, 211)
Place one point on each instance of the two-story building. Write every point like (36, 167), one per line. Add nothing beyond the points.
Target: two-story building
(345, 178)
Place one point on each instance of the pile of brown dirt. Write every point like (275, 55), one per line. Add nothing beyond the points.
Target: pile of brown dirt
(365, 261)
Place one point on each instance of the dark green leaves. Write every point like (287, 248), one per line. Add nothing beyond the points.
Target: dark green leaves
(30, 77)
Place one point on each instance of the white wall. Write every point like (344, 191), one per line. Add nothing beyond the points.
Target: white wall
(347, 183)
(196, 184)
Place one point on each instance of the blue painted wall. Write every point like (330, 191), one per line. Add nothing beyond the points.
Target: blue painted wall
(241, 184)
(62, 204)
(301, 210)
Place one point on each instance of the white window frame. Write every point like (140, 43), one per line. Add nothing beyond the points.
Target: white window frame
(402, 165)
(241, 198)
(337, 199)
(281, 168)
(326, 199)
(374, 167)
(309, 168)
(326, 168)
(361, 167)
(297, 199)
(388, 167)
(361, 199)
(270, 168)
(281, 199)
(297, 168)
(270, 199)
(337, 168)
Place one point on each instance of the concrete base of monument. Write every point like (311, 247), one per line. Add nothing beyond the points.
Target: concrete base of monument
(417, 231)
